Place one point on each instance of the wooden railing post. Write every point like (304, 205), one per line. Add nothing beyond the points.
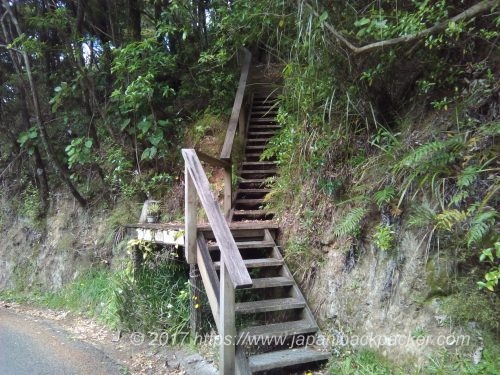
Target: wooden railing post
(228, 190)
(227, 323)
(191, 220)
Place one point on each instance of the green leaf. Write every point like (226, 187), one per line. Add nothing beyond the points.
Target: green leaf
(362, 22)
(323, 17)
(88, 143)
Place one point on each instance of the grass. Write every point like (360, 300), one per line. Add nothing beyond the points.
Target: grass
(368, 362)
(154, 296)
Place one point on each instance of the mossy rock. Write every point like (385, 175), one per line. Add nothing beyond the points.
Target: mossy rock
(438, 275)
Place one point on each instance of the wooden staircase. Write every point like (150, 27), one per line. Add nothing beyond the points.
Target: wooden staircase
(254, 174)
(273, 320)
(263, 320)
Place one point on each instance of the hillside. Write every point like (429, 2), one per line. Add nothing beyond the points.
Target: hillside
(387, 187)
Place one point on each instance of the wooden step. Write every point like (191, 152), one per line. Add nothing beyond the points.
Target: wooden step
(286, 329)
(268, 305)
(257, 263)
(252, 191)
(258, 120)
(249, 201)
(262, 134)
(271, 282)
(286, 358)
(258, 163)
(256, 147)
(261, 113)
(252, 181)
(251, 213)
(258, 140)
(258, 171)
(253, 156)
(253, 127)
(247, 245)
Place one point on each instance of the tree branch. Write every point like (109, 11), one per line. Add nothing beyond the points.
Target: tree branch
(466, 14)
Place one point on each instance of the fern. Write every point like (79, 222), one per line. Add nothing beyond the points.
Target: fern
(350, 225)
(468, 176)
(421, 216)
(384, 196)
(421, 154)
(449, 218)
(480, 226)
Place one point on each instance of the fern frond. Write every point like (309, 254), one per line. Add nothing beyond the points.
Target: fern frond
(350, 223)
(468, 176)
(421, 216)
(384, 196)
(422, 153)
(480, 226)
(449, 218)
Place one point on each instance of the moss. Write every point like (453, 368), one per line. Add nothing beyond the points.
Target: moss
(438, 273)
(468, 304)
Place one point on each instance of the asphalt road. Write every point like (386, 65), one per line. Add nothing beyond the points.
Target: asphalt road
(36, 346)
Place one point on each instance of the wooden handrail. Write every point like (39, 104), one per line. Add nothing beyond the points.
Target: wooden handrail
(235, 113)
(230, 254)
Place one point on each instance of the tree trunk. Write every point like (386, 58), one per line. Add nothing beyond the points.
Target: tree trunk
(62, 172)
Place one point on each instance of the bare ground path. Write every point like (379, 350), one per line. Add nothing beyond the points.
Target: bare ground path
(41, 341)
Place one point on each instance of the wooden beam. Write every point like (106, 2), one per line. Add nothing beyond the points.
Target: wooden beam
(191, 219)
(229, 251)
(227, 325)
(228, 191)
(235, 114)
(209, 277)
(213, 161)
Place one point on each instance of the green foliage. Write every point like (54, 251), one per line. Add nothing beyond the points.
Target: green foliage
(363, 362)
(30, 203)
(92, 293)
(79, 151)
(492, 256)
(154, 294)
(28, 138)
(350, 224)
(383, 237)
(384, 196)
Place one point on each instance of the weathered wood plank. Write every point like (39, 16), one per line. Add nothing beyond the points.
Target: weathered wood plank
(191, 217)
(227, 325)
(213, 161)
(230, 254)
(228, 190)
(235, 114)
(278, 304)
(209, 277)
(286, 358)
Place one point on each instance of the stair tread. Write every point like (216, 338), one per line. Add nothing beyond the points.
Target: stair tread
(256, 263)
(259, 163)
(258, 171)
(248, 245)
(285, 358)
(248, 180)
(277, 304)
(272, 282)
(256, 147)
(252, 127)
(251, 212)
(246, 191)
(249, 201)
(286, 329)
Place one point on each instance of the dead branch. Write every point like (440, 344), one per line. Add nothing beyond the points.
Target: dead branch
(471, 12)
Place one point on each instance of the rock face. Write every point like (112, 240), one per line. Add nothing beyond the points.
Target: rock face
(47, 258)
(387, 301)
